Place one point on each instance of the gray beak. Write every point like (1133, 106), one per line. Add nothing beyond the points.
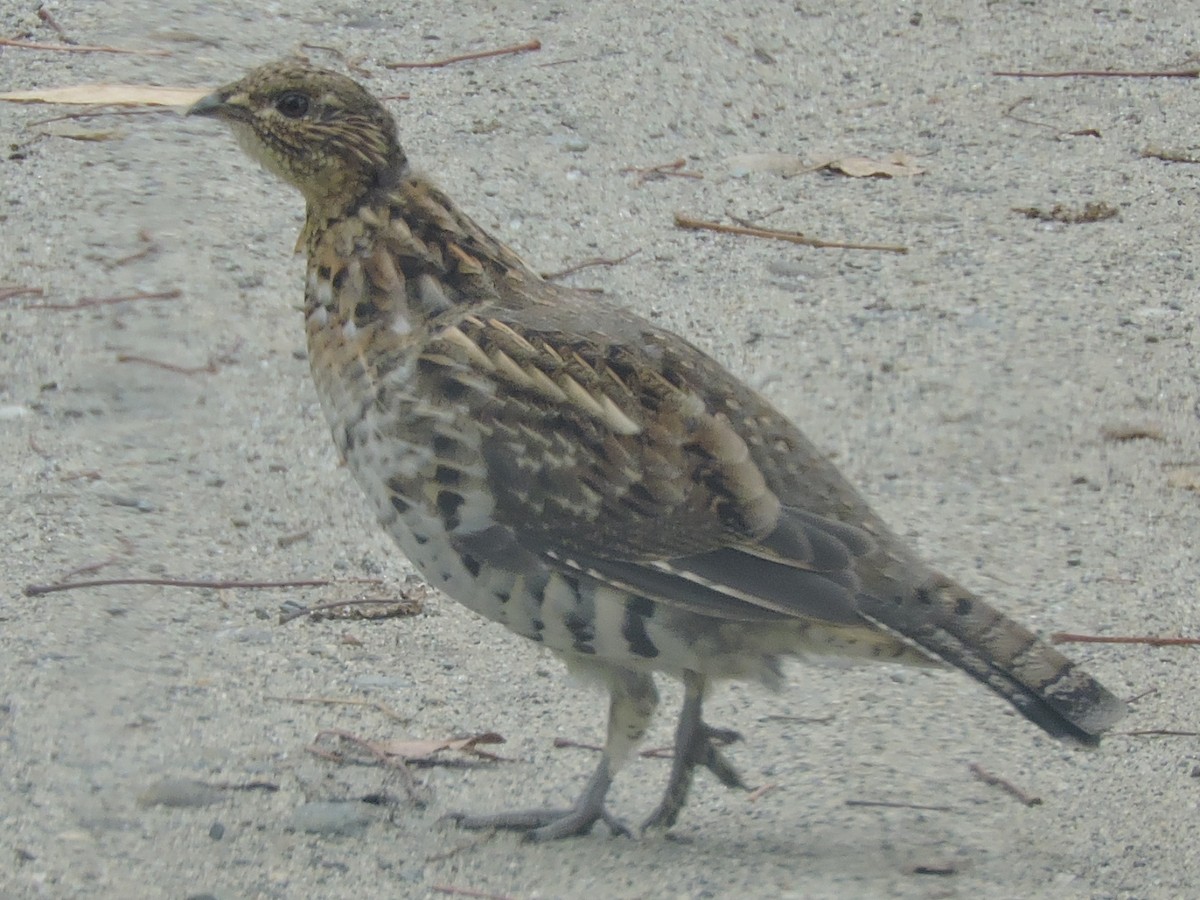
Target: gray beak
(212, 106)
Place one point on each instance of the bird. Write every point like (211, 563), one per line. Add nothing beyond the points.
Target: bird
(561, 465)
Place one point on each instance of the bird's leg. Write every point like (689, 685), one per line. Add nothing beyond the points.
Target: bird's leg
(633, 699)
(695, 745)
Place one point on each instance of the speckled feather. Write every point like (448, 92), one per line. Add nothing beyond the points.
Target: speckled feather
(560, 464)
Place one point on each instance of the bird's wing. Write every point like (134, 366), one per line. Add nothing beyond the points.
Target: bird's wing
(628, 454)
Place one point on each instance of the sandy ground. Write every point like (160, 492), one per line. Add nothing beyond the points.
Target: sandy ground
(965, 386)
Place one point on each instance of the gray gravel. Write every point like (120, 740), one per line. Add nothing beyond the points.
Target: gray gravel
(965, 386)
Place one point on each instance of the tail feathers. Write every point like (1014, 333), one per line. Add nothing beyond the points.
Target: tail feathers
(959, 628)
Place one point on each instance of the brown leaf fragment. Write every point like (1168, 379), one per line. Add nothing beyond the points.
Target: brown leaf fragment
(1091, 212)
(1132, 432)
(896, 165)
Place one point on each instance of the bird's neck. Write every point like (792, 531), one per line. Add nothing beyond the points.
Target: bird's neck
(428, 239)
(405, 258)
(340, 194)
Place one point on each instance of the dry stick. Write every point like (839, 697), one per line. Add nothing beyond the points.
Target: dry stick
(88, 302)
(1007, 786)
(1177, 156)
(209, 368)
(149, 246)
(1063, 637)
(36, 590)
(1093, 73)
(1010, 113)
(338, 701)
(95, 113)
(588, 263)
(482, 54)
(563, 743)
(749, 223)
(759, 792)
(44, 15)
(467, 892)
(397, 764)
(36, 447)
(322, 607)
(1146, 693)
(127, 548)
(78, 48)
(7, 292)
(1157, 731)
(894, 805)
(645, 173)
(792, 237)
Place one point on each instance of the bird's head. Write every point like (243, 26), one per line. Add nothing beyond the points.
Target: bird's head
(316, 129)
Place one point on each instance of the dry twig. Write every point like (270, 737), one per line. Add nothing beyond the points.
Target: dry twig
(36, 590)
(404, 607)
(1005, 785)
(8, 291)
(149, 248)
(127, 548)
(1065, 637)
(1102, 73)
(89, 302)
(890, 804)
(482, 54)
(792, 237)
(1153, 151)
(662, 170)
(77, 48)
(467, 892)
(339, 701)
(96, 113)
(589, 263)
(45, 16)
(209, 368)
(759, 792)
(393, 762)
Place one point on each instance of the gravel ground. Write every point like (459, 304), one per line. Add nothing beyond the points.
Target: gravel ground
(986, 390)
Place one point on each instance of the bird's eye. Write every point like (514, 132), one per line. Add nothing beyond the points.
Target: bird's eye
(293, 104)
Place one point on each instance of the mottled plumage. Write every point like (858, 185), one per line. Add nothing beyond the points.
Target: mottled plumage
(563, 466)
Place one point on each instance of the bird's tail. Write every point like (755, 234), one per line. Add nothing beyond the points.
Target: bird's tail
(959, 628)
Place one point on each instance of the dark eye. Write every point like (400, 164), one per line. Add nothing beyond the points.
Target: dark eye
(293, 104)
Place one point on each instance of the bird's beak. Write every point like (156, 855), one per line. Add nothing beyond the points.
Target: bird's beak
(214, 106)
(211, 105)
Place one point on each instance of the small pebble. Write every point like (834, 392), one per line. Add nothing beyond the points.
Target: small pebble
(380, 682)
(346, 817)
(179, 793)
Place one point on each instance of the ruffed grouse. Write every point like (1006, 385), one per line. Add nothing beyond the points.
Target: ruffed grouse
(563, 466)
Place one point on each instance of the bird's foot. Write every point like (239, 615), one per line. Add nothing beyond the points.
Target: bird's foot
(546, 824)
(553, 824)
(700, 750)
